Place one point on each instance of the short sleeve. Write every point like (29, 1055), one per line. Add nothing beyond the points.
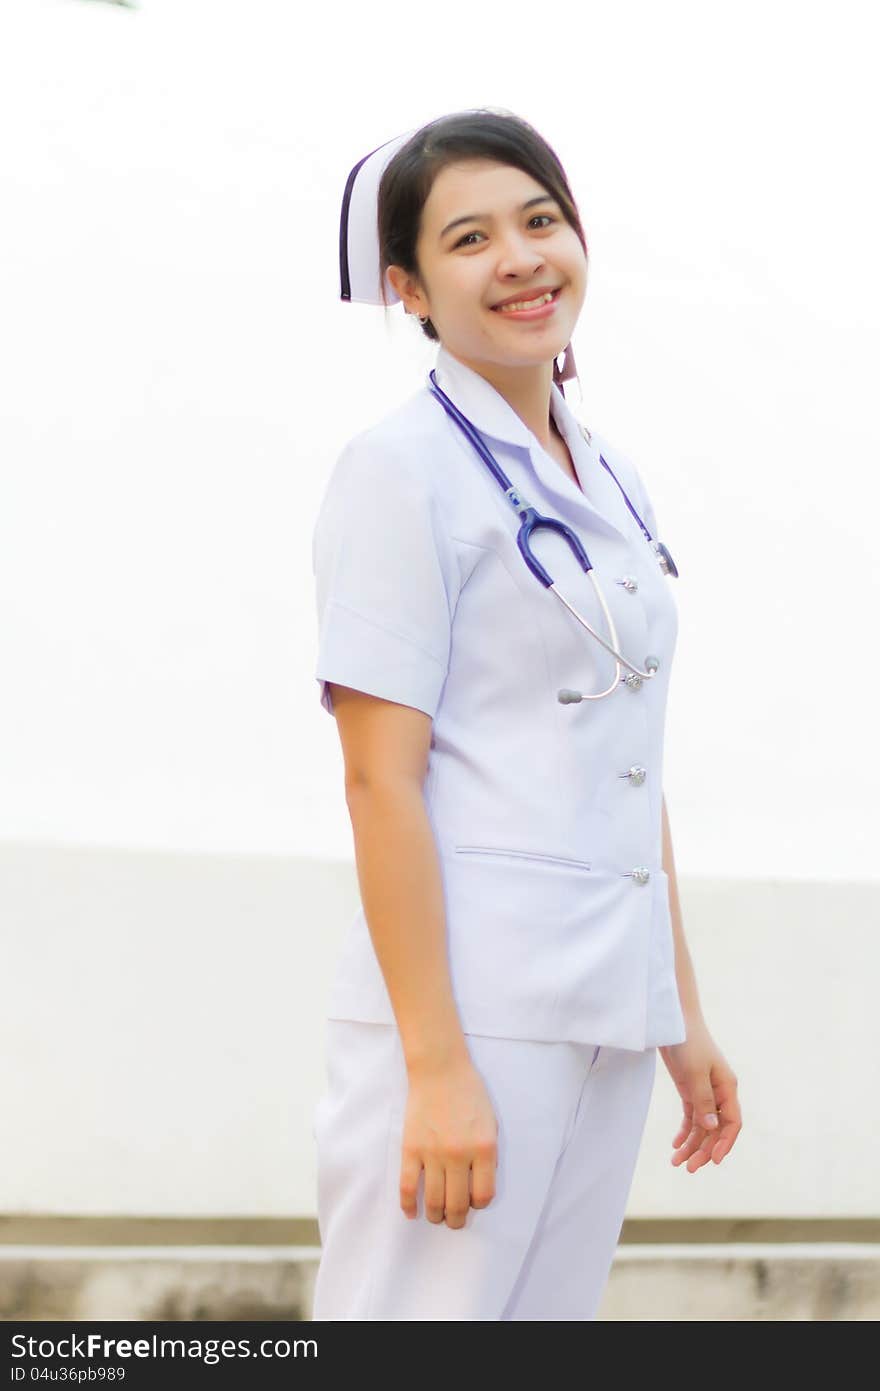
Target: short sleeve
(386, 576)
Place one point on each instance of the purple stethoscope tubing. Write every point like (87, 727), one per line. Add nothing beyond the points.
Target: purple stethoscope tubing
(530, 519)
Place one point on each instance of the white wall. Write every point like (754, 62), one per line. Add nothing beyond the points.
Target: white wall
(178, 375)
(162, 1035)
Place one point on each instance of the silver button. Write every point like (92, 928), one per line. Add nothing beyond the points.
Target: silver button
(636, 774)
(651, 663)
(634, 681)
(640, 875)
(630, 583)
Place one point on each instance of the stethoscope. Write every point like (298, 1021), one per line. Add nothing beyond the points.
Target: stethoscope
(531, 520)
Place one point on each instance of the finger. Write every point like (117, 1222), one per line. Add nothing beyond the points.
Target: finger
(701, 1109)
(687, 1120)
(693, 1137)
(730, 1116)
(457, 1194)
(729, 1103)
(700, 1157)
(698, 1150)
(410, 1169)
(690, 1146)
(704, 1145)
(685, 1128)
(435, 1190)
(727, 1139)
(713, 1146)
(483, 1171)
(705, 1104)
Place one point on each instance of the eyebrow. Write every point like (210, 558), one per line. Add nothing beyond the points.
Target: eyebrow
(484, 217)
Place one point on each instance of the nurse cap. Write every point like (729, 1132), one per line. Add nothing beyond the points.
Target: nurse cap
(359, 228)
(359, 280)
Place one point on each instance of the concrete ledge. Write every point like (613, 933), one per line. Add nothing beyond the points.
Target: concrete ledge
(50, 1229)
(795, 1282)
(649, 1282)
(157, 1283)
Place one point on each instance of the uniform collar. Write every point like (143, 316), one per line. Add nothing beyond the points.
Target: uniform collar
(477, 398)
(495, 418)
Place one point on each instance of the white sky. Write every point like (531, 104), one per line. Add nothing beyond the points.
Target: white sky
(178, 375)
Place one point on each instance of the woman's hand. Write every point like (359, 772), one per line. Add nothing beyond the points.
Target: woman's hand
(707, 1086)
(451, 1132)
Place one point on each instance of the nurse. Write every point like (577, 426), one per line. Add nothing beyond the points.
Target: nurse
(518, 960)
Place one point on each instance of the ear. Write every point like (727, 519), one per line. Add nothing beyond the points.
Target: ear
(407, 288)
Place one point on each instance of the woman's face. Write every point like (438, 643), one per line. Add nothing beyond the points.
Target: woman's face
(509, 239)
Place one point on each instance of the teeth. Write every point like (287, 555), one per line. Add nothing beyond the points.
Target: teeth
(526, 303)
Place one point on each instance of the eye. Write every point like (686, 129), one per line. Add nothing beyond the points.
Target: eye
(546, 217)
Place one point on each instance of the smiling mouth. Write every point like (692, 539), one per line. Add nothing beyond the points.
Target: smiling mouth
(525, 303)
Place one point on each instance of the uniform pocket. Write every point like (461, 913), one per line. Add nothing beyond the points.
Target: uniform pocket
(504, 853)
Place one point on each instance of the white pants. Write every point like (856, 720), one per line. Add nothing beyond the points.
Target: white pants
(570, 1123)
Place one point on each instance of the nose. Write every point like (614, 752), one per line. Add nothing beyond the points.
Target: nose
(518, 256)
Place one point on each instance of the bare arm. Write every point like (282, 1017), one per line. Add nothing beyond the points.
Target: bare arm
(706, 1083)
(385, 747)
(684, 969)
(450, 1128)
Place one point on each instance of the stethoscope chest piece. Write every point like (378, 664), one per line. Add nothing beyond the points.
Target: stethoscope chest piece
(667, 564)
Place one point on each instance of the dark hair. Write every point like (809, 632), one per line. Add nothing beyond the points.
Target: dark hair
(480, 133)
